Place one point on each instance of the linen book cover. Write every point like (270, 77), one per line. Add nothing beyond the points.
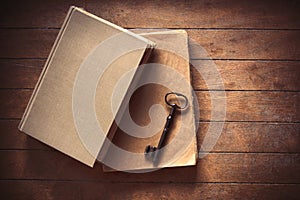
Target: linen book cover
(71, 107)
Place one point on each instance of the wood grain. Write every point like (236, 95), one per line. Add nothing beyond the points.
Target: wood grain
(236, 75)
(215, 167)
(245, 44)
(240, 106)
(235, 137)
(26, 43)
(12, 138)
(253, 137)
(250, 106)
(20, 73)
(35, 14)
(158, 14)
(13, 102)
(245, 75)
(218, 44)
(199, 14)
(136, 191)
(255, 47)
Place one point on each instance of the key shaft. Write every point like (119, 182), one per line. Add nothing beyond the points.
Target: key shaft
(164, 134)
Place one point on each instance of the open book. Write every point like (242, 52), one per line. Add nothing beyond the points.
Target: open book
(166, 70)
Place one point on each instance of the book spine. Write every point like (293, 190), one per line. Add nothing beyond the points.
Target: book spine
(48, 61)
(114, 127)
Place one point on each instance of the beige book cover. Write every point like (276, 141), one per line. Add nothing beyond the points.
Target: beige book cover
(167, 70)
(71, 108)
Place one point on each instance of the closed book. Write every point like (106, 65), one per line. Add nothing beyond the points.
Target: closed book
(71, 108)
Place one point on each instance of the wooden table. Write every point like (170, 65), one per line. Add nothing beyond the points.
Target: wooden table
(255, 45)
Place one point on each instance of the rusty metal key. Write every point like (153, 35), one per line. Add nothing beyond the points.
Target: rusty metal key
(154, 151)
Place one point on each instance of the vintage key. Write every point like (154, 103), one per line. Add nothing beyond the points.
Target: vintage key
(154, 151)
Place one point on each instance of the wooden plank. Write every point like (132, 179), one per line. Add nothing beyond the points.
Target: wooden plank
(240, 106)
(245, 75)
(157, 14)
(26, 43)
(99, 190)
(199, 14)
(236, 75)
(12, 138)
(13, 102)
(20, 73)
(253, 137)
(215, 167)
(35, 14)
(245, 44)
(235, 137)
(250, 106)
(219, 44)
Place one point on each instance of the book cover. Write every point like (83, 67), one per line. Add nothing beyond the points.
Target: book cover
(70, 108)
